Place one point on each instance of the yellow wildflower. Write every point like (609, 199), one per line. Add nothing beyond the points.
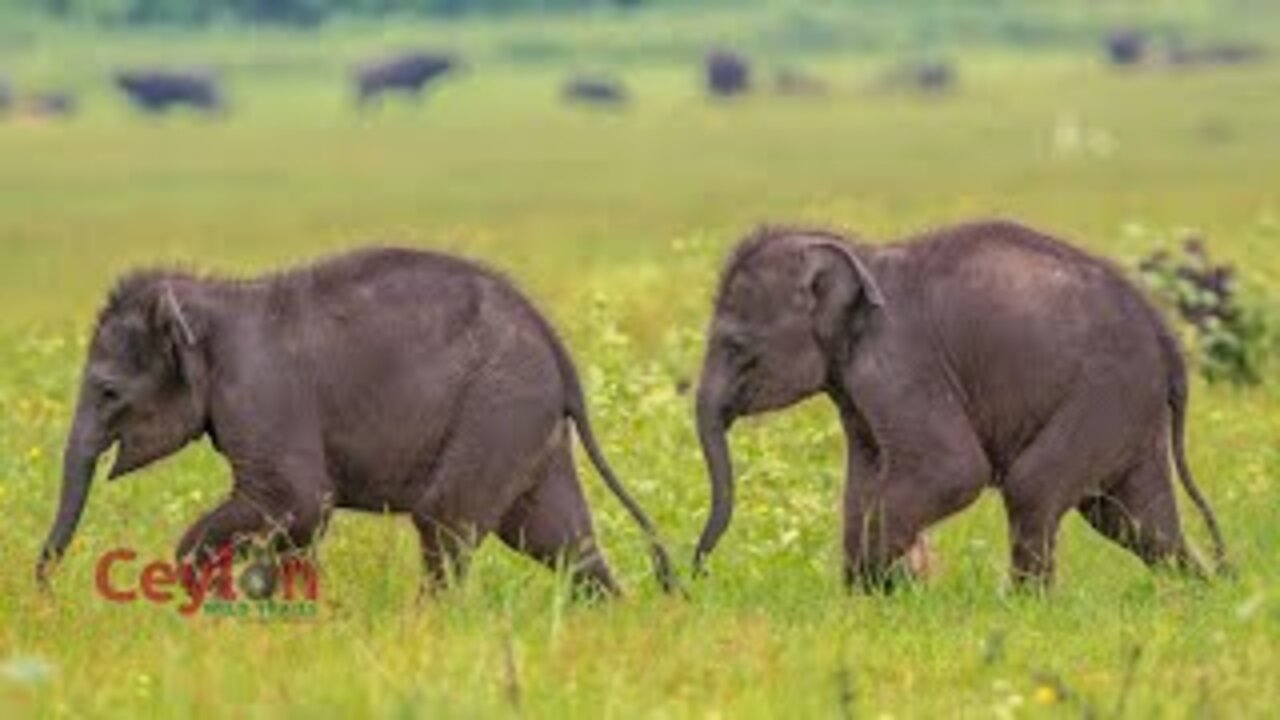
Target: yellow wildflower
(1046, 695)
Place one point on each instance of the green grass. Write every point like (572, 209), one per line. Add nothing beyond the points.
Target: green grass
(616, 223)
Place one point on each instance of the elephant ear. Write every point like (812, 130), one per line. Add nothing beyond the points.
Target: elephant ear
(842, 290)
(174, 317)
(168, 410)
(176, 329)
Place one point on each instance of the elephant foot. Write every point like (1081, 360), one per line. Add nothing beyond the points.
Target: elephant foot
(921, 560)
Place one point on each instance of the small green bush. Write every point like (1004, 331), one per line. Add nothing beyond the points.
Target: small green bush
(1232, 340)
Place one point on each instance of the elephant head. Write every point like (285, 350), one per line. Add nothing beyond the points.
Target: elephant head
(143, 389)
(790, 305)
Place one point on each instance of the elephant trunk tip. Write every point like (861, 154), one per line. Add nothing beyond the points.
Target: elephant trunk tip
(710, 537)
(45, 568)
(668, 578)
(699, 563)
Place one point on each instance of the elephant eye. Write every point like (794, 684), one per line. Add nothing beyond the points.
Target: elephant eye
(109, 395)
(740, 352)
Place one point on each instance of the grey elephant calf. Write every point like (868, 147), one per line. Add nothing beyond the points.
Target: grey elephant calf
(381, 380)
(985, 354)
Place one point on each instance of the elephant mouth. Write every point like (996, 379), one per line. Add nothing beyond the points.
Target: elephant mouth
(122, 460)
(131, 457)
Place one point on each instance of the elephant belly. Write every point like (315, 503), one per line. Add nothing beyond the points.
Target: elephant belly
(382, 460)
(381, 437)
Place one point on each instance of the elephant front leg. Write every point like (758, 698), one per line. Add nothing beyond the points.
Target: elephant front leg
(882, 547)
(446, 553)
(902, 479)
(887, 514)
(868, 543)
(874, 541)
(214, 539)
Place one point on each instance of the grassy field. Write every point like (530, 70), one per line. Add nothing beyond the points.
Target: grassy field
(616, 222)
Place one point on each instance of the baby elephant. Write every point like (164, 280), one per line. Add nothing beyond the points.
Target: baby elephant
(381, 380)
(981, 354)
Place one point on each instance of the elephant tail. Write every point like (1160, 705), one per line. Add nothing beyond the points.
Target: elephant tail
(576, 408)
(1179, 395)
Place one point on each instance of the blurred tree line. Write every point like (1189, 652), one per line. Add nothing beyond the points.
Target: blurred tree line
(298, 12)
(1022, 20)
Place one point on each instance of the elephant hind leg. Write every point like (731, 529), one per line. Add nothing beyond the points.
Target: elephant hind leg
(445, 550)
(1140, 514)
(1033, 540)
(1081, 446)
(491, 459)
(552, 524)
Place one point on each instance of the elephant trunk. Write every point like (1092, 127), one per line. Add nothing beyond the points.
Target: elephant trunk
(714, 420)
(80, 460)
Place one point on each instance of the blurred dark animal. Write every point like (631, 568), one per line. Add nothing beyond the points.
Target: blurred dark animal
(51, 104)
(790, 81)
(1126, 47)
(727, 73)
(1182, 55)
(408, 73)
(595, 90)
(932, 77)
(159, 91)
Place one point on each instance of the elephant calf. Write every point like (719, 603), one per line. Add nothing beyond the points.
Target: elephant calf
(975, 355)
(381, 380)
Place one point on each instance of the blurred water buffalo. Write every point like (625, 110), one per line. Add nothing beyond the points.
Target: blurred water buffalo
(407, 73)
(158, 91)
(595, 90)
(727, 73)
(1225, 53)
(51, 104)
(1126, 47)
(792, 81)
(932, 77)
